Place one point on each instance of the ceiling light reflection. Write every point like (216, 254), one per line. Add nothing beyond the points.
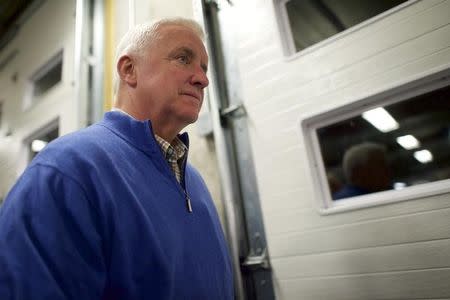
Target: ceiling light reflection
(380, 119)
(408, 142)
(424, 156)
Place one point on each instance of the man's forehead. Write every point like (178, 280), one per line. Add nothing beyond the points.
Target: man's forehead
(186, 38)
(168, 31)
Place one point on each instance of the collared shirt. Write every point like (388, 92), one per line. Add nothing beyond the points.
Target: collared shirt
(175, 153)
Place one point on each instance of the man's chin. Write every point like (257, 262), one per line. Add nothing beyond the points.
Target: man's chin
(193, 120)
(190, 118)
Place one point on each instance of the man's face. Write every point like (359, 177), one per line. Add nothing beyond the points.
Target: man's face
(171, 76)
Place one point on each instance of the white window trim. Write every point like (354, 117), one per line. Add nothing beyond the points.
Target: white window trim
(35, 133)
(395, 93)
(284, 27)
(287, 39)
(29, 100)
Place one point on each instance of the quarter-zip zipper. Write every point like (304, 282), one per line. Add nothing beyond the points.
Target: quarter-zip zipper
(188, 202)
(181, 184)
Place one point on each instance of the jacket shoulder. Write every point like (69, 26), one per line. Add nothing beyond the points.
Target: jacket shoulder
(74, 150)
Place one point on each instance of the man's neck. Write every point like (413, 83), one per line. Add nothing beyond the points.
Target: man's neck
(165, 132)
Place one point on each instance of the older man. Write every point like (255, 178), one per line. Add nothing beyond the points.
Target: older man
(114, 211)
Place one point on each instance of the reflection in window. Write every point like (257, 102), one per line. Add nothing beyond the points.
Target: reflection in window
(38, 143)
(312, 21)
(391, 147)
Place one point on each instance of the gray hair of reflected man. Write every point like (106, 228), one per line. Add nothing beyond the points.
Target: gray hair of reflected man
(142, 36)
(359, 156)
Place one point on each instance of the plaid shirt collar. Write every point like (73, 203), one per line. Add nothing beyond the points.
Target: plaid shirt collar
(175, 153)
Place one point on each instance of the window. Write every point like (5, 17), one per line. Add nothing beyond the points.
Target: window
(391, 143)
(45, 78)
(40, 140)
(308, 22)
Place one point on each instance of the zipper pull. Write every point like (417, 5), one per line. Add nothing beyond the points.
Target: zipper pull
(188, 204)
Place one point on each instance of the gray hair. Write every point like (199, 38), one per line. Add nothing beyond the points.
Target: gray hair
(140, 38)
(359, 156)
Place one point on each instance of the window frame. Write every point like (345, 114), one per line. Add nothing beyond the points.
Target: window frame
(29, 98)
(287, 40)
(48, 127)
(391, 94)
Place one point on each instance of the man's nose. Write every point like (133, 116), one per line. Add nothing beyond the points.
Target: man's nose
(199, 78)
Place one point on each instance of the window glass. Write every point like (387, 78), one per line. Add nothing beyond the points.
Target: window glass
(48, 77)
(38, 143)
(392, 147)
(312, 21)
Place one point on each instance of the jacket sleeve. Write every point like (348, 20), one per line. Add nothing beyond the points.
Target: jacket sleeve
(50, 244)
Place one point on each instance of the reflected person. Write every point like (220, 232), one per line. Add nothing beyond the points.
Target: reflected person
(366, 170)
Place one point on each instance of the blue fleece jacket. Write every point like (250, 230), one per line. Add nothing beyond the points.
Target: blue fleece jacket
(98, 214)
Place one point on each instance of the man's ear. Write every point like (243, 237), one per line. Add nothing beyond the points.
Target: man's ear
(126, 68)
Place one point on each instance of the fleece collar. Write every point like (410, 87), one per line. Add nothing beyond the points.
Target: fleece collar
(138, 133)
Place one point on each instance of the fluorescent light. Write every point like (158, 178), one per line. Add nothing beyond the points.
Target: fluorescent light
(408, 142)
(380, 119)
(423, 156)
(399, 185)
(38, 145)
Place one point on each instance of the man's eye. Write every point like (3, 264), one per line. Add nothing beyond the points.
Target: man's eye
(183, 59)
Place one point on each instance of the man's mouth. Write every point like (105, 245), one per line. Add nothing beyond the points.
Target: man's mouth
(192, 94)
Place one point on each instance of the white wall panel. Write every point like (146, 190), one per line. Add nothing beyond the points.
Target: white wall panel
(409, 285)
(282, 202)
(421, 226)
(254, 59)
(304, 219)
(411, 256)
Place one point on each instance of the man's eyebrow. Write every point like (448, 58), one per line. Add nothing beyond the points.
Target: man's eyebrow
(184, 50)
